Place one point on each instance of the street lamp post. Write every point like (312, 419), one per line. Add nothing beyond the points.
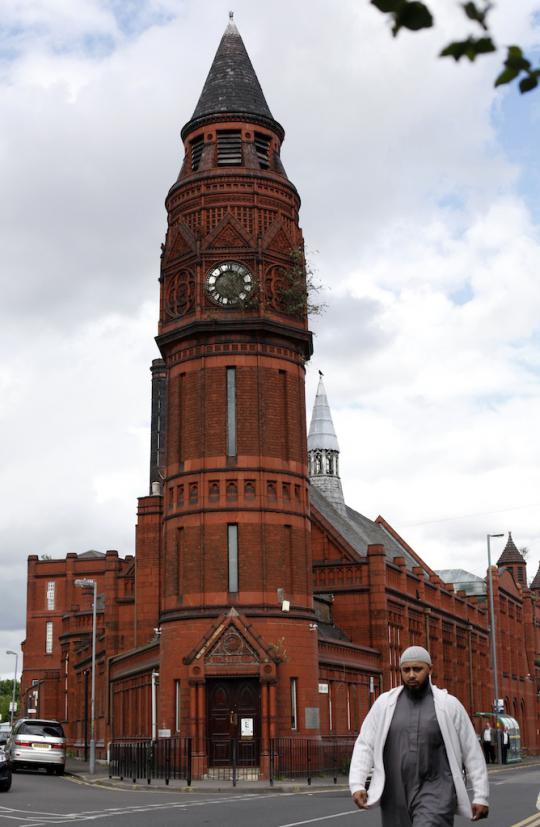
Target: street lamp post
(84, 583)
(494, 643)
(11, 652)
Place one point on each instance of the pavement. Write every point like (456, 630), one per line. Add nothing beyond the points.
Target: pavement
(80, 770)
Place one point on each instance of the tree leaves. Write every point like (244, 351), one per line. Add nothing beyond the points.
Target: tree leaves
(406, 15)
(415, 16)
(514, 65)
(470, 48)
(479, 16)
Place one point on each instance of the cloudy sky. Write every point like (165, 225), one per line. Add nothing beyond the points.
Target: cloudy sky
(420, 187)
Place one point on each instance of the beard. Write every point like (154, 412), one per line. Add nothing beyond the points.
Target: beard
(417, 690)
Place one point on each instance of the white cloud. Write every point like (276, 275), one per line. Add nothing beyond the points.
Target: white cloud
(430, 343)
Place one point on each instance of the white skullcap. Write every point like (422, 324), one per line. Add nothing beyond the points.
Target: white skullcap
(415, 653)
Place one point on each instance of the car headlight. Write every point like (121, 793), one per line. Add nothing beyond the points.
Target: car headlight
(3, 757)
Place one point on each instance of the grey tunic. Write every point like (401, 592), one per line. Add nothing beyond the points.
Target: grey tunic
(419, 790)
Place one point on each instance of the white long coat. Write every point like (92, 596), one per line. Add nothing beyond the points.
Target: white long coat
(460, 741)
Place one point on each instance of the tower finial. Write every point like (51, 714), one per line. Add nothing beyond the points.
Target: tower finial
(231, 15)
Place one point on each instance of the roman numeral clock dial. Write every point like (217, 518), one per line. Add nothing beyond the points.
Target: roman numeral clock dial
(229, 284)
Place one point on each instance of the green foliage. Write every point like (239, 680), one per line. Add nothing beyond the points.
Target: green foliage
(415, 16)
(406, 14)
(514, 65)
(298, 289)
(479, 15)
(6, 694)
(471, 48)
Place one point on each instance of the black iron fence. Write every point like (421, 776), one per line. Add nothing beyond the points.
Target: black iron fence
(309, 757)
(231, 759)
(165, 758)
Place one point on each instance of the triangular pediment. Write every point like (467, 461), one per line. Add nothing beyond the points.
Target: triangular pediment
(231, 647)
(276, 238)
(228, 233)
(231, 641)
(180, 243)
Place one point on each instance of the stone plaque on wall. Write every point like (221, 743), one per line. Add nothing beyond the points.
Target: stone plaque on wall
(312, 717)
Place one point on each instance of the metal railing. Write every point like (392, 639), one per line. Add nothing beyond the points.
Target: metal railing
(233, 759)
(308, 757)
(230, 759)
(165, 758)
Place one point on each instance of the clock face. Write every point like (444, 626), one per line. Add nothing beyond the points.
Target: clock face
(229, 284)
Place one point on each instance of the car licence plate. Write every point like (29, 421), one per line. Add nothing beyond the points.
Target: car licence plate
(41, 746)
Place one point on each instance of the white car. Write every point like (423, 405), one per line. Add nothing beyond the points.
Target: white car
(37, 743)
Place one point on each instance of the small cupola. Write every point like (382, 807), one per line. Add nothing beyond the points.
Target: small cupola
(513, 561)
(323, 451)
(535, 585)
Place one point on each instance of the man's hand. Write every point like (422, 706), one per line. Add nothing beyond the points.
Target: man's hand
(479, 811)
(360, 799)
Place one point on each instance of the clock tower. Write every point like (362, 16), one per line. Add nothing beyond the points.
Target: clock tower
(232, 572)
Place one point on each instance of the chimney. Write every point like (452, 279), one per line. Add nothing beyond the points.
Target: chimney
(158, 429)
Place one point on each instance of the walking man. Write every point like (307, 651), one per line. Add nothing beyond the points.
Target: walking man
(416, 738)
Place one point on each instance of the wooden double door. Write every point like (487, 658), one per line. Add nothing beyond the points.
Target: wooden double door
(233, 721)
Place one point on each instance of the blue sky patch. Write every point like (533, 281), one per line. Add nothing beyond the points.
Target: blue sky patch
(463, 294)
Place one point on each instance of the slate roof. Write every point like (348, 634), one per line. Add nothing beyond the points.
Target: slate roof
(511, 553)
(232, 87)
(463, 580)
(536, 580)
(329, 631)
(92, 554)
(360, 531)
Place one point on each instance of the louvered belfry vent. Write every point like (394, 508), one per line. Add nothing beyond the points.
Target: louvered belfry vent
(196, 152)
(262, 148)
(229, 146)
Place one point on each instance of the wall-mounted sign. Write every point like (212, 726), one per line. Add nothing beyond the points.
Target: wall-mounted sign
(164, 733)
(246, 727)
(312, 718)
(323, 689)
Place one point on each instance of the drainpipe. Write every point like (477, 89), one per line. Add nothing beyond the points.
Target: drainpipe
(155, 678)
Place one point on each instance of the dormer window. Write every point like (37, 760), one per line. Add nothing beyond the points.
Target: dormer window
(196, 152)
(262, 149)
(229, 147)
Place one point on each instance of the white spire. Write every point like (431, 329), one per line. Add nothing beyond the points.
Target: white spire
(323, 451)
(321, 431)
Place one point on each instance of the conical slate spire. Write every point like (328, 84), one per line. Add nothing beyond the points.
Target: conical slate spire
(510, 554)
(535, 585)
(323, 451)
(232, 87)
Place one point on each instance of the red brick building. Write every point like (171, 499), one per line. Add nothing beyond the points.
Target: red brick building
(256, 598)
